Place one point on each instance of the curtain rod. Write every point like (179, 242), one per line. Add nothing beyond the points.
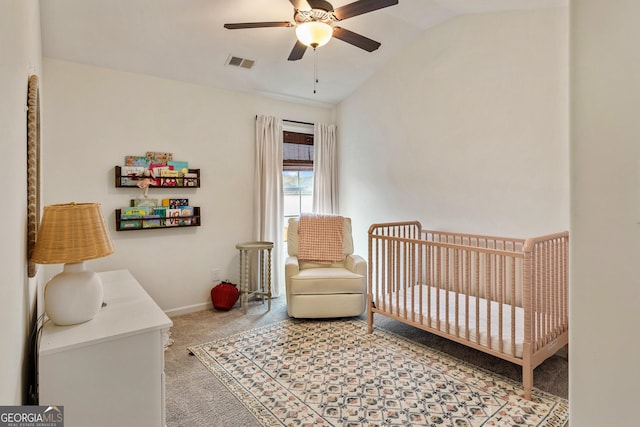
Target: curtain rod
(295, 121)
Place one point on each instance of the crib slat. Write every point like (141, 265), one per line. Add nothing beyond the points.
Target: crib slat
(487, 295)
(477, 294)
(513, 305)
(500, 299)
(467, 291)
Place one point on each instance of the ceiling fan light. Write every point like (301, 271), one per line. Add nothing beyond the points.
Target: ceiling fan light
(314, 33)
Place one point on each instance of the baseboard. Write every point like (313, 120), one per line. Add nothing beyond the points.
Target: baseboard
(188, 309)
(196, 307)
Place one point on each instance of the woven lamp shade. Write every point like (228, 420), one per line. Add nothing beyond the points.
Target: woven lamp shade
(71, 233)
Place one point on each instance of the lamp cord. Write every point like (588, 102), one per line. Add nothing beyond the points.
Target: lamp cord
(34, 339)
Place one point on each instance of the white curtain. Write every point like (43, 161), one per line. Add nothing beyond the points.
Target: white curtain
(268, 198)
(325, 169)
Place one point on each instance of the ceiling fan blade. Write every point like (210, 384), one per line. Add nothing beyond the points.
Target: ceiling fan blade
(298, 51)
(360, 7)
(320, 4)
(355, 39)
(300, 4)
(242, 25)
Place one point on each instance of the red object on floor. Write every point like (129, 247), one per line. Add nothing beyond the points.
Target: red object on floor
(224, 296)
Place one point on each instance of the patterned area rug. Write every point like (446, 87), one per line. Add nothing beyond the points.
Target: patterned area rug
(332, 373)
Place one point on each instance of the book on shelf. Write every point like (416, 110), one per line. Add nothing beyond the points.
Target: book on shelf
(170, 182)
(144, 202)
(151, 221)
(173, 217)
(169, 173)
(127, 222)
(135, 210)
(190, 179)
(129, 181)
(130, 217)
(175, 203)
(182, 167)
(136, 161)
(159, 157)
(132, 171)
(161, 211)
(170, 178)
(186, 215)
(156, 171)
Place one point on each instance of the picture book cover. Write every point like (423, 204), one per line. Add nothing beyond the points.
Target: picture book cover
(159, 157)
(186, 215)
(135, 210)
(173, 217)
(151, 221)
(132, 171)
(144, 202)
(182, 167)
(175, 203)
(142, 161)
(161, 211)
(128, 221)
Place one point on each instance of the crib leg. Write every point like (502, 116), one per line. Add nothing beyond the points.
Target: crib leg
(369, 318)
(527, 381)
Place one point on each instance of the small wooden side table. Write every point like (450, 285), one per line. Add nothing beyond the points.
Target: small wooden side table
(263, 287)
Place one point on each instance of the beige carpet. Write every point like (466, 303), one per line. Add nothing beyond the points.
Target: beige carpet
(196, 398)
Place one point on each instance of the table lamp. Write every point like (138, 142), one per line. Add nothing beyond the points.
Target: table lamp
(71, 234)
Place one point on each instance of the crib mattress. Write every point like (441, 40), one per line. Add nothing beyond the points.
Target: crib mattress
(479, 328)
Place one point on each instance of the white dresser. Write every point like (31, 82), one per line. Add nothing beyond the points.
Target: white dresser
(108, 371)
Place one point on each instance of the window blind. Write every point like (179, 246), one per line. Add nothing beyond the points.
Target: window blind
(297, 151)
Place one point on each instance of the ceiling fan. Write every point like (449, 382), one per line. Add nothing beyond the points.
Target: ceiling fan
(314, 21)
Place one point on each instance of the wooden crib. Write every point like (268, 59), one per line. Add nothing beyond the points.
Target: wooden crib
(505, 297)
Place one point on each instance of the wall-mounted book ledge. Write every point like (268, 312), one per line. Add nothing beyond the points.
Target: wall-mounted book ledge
(146, 218)
(131, 176)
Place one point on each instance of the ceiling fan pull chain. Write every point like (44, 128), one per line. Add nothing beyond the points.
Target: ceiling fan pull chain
(315, 69)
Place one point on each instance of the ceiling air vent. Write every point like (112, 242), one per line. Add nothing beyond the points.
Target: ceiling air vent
(235, 61)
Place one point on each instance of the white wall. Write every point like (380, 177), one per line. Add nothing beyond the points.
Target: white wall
(20, 47)
(605, 213)
(466, 129)
(96, 116)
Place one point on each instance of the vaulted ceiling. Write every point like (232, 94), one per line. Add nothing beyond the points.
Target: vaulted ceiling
(185, 40)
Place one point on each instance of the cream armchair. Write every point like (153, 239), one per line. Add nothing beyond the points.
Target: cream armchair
(318, 290)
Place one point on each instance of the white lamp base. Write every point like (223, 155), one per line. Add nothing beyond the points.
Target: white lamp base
(73, 296)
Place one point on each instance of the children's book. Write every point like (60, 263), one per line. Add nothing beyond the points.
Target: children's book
(169, 173)
(161, 211)
(130, 218)
(190, 179)
(173, 217)
(182, 167)
(186, 215)
(132, 171)
(135, 210)
(175, 203)
(136, 161)
(144, 202)
(158, 157)
(151, 221)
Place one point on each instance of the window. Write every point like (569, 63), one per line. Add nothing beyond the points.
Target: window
(297, 173)
(298, 192)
